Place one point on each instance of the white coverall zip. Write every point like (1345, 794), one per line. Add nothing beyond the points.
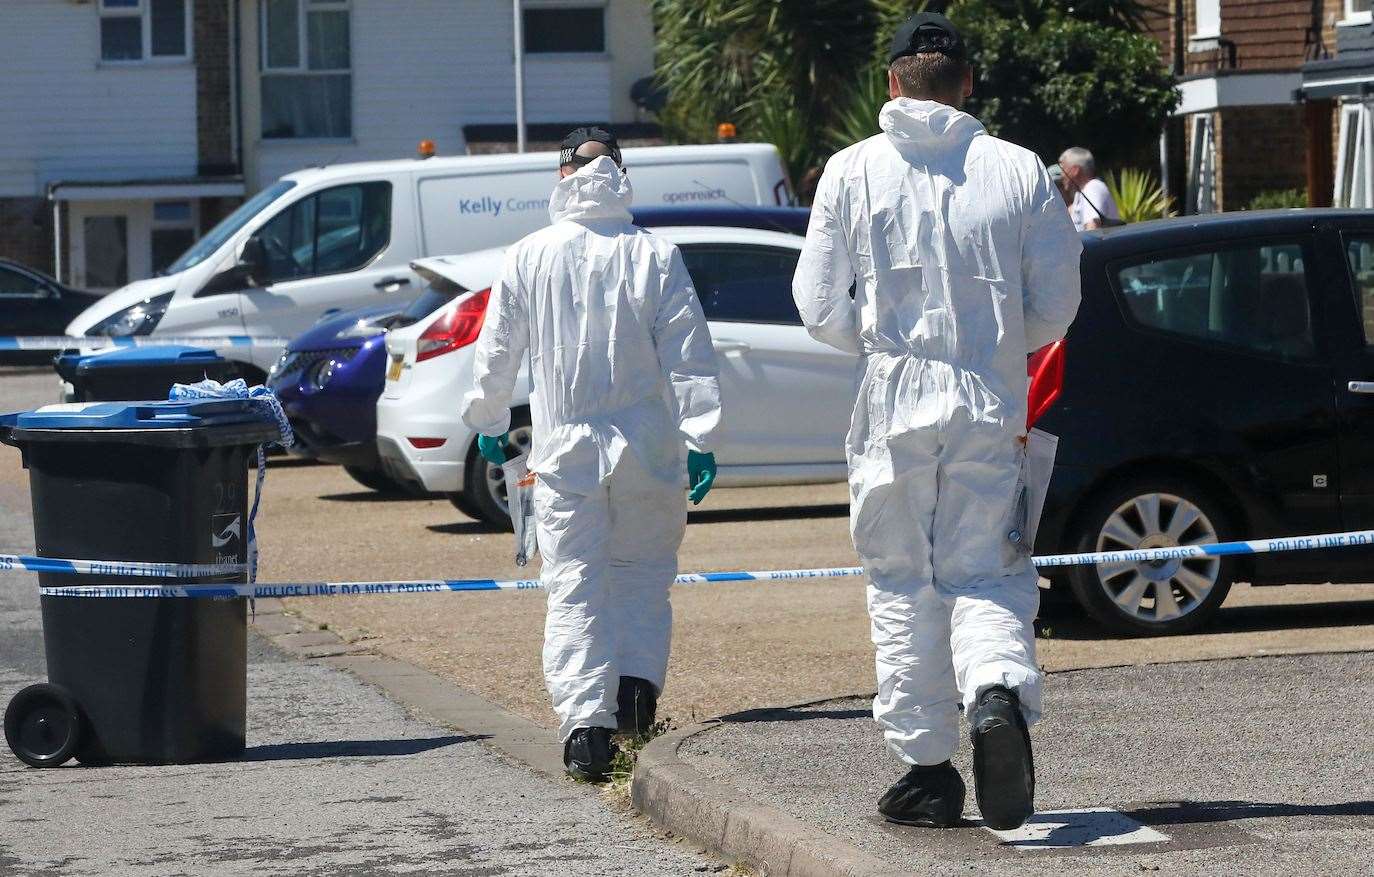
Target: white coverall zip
(623, 373)
(962, 259)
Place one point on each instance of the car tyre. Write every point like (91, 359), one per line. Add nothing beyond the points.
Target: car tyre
(482, 482)
(376, 479)
(1131, 598)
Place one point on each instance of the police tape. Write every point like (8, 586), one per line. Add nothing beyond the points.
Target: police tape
(131, 569)
(336, 589)
(100, 342)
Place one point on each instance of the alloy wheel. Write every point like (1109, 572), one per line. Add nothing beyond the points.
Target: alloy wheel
(1164, 590)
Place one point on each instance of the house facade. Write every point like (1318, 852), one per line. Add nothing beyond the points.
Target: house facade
(1243, 127)
(129, 127)
(1344, 79)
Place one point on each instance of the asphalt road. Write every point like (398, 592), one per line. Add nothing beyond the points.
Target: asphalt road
(1258, 766)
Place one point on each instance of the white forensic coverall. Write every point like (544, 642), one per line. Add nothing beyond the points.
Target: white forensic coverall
(623, 372)
(962, 259)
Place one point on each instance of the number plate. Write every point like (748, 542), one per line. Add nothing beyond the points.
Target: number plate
(394, 373)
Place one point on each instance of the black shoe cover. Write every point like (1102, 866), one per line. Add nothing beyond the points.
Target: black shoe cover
(928, 795)
(636, 703)
(587, 754)
(1003, 769)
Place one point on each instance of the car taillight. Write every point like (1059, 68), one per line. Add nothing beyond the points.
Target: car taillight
(1046, 369)
(456, 329)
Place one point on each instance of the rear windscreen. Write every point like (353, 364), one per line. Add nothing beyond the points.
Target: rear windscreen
(435, 296)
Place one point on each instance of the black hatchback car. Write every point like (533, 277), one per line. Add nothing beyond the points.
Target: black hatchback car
(1219, 385)
(32, 303)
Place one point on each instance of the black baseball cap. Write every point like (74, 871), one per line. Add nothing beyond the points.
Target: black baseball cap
(927, 32)
(583, 136)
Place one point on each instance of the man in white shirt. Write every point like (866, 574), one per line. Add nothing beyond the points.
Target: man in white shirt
(1093, 202)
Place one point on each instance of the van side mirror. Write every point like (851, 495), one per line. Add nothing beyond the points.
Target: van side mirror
(253, 261)
(248, 271)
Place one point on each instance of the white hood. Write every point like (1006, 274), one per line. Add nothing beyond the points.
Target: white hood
(132, 294)
(601, 190)
(927, 124)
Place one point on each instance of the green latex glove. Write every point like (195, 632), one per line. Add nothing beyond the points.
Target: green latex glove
(701, 474)
(493, 447)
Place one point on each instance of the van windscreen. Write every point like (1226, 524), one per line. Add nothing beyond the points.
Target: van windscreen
(225, 229)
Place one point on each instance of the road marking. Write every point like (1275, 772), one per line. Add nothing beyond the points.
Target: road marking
(1088, 827)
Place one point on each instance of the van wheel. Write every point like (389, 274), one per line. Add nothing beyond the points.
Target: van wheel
(484, 484)
(1159, 597)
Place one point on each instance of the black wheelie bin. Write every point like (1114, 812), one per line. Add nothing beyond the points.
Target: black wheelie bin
(146, 679)
(140, 372)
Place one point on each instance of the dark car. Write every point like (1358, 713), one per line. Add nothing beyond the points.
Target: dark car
(1219, 386)
(32, 303)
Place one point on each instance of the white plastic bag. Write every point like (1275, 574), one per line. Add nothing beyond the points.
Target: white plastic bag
(1036, 468)
(520, 494)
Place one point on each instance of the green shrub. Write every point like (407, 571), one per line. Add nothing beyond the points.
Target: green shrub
(1278, 198)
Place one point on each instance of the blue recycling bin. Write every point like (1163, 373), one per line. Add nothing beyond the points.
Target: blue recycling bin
(140, 372)
(138, 680)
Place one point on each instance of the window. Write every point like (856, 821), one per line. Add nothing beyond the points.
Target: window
(141, 30)
(565, 30)
(330, 232)
(1356, 12)
(1249, 296)
(107, 250)
(744, 284)
(174, 231)
(1352, 158)
(14, 284)
(307, 80)
(1360, 253)
(1208, 23)
(1202, 167)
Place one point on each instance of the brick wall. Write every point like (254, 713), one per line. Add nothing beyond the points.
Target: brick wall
(26, 232)
(1259, 149)
(214, 129)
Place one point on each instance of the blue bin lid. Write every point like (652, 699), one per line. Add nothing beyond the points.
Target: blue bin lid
(132, 357)
(186, 414)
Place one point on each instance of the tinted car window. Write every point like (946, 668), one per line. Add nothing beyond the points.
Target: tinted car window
(1254, 297)
(744, 284)
(436, 295)
(12, 283)
(1360, 252)
(330, 232)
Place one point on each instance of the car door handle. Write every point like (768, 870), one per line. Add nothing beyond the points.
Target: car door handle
(1365, 387)
(729, 345)
(391, 281)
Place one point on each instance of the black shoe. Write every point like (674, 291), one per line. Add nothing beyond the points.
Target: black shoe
(1003, 769)
(587, 754)
(636, 702)
(928, 795)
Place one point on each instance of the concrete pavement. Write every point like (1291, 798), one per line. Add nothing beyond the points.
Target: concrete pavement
(1193, 767)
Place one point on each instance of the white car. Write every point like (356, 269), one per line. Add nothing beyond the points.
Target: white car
(787, 398)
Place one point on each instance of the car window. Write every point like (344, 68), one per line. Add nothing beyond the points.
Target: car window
(17, 285)
(1249, 296)
(1360, 253)
(330, 232)
(744, 284)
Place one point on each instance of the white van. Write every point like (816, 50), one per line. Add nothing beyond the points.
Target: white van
(339, 237)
